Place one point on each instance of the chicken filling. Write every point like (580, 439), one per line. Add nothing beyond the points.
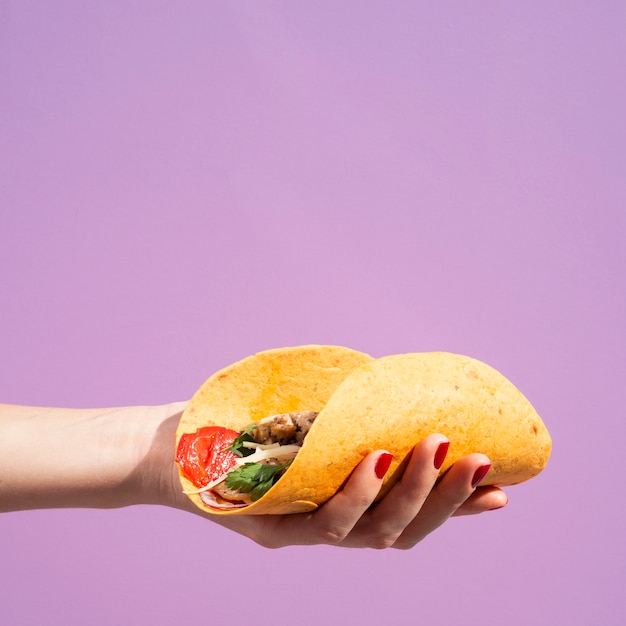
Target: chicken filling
(266, 448)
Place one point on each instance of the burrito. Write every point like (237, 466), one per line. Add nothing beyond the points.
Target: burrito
(282, 430)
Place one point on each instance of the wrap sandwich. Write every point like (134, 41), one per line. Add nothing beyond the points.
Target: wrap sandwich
(282, 430)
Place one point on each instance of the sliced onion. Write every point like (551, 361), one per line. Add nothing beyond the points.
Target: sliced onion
(208, 497)
(253, 445)
(281, 452)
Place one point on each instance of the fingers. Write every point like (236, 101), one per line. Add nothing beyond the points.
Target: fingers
(403, 503)
(414, 507)
(447, 497)
(339, 516)
(482, 500)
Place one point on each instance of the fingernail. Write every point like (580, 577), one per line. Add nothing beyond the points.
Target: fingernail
(479, 474)
(440, 455)
(382, 465)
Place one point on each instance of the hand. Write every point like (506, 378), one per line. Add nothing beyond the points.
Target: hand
(123, 456)
(414, 507)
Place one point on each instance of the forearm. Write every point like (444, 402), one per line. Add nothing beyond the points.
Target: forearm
(102, 458)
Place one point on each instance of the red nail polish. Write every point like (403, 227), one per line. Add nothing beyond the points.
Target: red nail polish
(440, 455)
(382, 465)
(479, 474)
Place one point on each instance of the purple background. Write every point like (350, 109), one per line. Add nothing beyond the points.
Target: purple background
(182, 185)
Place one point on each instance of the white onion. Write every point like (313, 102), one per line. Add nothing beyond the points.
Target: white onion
(209, 499)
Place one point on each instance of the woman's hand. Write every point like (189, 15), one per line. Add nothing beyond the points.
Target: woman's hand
(417, 504)
(116, 457)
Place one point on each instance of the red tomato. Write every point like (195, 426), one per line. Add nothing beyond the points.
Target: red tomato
(202, 455)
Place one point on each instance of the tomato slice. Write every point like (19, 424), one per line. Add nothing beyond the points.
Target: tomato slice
(202, 455)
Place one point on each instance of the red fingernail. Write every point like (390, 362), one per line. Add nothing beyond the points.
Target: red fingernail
(440, 455)
(382, 465)
(479, 474)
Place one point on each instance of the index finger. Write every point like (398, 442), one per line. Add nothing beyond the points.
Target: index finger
(336, 519)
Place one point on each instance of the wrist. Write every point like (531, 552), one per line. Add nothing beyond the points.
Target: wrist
(154, 479)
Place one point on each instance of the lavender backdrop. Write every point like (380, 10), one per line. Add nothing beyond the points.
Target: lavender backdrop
(183, 184)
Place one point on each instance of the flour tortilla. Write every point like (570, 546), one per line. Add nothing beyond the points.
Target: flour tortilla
(367, 404)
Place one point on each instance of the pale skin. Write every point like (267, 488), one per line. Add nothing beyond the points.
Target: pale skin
(109, 458)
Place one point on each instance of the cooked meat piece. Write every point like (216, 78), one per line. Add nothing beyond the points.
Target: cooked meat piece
(287, 428)
(232, 495)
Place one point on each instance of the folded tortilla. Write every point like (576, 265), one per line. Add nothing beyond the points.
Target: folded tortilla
(368, 404)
